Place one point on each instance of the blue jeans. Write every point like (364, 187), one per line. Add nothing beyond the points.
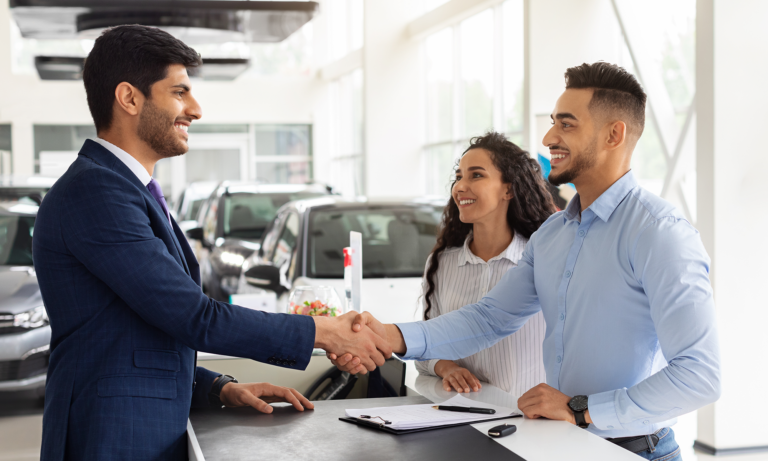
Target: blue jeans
(666, 450)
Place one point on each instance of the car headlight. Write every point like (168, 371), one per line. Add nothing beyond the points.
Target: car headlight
(33, 318)
(232, 259)
(229, 284)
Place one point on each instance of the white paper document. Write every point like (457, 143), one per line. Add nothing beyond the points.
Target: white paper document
(417, 416)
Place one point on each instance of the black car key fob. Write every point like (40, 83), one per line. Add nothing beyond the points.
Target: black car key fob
(502, 431)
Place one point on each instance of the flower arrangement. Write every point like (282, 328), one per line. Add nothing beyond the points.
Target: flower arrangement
(315, 308)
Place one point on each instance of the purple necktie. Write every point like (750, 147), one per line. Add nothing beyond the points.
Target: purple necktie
(157, 193)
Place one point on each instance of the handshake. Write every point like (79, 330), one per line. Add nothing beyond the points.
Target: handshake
(357, 343)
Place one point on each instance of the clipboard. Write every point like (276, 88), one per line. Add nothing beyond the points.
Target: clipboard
(384, 428)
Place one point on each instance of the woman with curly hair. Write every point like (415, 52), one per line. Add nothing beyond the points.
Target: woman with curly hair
(498, 199)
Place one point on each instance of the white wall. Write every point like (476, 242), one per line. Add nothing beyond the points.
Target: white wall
(732, 96)
(26, 101)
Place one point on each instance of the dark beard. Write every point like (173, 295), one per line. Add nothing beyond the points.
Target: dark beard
(153, 130)
(583, 162)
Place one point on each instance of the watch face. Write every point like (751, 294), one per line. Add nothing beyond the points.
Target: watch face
(579, 403)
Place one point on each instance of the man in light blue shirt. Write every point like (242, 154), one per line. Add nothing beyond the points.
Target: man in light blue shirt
(621, 277)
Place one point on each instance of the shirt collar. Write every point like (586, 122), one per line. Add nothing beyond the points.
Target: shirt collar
(129, 161)
(513, 252)
(608, 201)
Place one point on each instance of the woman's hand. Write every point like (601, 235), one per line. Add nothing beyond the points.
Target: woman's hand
(457, 377)
(260, 395)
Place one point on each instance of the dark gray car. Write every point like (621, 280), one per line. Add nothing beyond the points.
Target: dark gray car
(24, 330)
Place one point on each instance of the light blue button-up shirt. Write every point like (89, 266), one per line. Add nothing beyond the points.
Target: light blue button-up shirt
(624, 288)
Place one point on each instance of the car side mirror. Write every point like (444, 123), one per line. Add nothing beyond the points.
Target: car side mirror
(196, 233)
(266, 278)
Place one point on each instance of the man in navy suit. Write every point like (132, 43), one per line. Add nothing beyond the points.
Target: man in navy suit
(122, 286)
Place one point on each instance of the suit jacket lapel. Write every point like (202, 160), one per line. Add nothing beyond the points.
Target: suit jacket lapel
(107, 159)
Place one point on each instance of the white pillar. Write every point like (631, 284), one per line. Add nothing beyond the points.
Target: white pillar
(732, 95)
(393, 101)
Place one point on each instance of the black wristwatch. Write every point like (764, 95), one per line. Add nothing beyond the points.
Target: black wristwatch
(578, 406)
(215, 392)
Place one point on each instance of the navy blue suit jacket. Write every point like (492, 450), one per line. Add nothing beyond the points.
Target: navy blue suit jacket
(122, 290)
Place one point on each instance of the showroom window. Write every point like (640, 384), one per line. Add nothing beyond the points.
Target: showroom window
(6, 159)
(474, 83)
(56, 146)
(346, 140)
(660, 49)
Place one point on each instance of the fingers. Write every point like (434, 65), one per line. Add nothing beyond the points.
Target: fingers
(285, 394)
(303, 400)
(454, 383)
(462, 382)
(471, 380)
(255, 402)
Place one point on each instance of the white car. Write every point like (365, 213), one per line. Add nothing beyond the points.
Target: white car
(303, 246)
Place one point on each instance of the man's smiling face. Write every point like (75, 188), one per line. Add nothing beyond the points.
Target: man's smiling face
(572, 140)
(166, 116)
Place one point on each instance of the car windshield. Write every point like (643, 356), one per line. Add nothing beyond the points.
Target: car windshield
(192, 209)
(396, 241)
(247, 215)
(16, 240)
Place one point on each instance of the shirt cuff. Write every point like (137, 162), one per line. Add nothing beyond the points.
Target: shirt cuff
(602, 411)
(415, 340)
(431, 366)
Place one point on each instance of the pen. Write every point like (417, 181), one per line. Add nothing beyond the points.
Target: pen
(486, 411)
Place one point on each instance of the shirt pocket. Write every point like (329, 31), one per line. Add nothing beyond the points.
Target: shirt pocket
(157, 359)
(137, 386)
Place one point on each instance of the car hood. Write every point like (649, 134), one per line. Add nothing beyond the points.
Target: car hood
(244, 247)
(19, 291)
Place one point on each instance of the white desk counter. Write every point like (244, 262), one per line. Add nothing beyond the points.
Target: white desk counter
(535, 439)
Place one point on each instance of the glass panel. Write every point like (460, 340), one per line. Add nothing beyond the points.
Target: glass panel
(299, 172)
(477, 73)
(648, 162)
(287, 242)
(291, 57)
(211, 164)
(16, 240)
(207, 128)
(5, 137)
(60, 138)
(514, 70)
(396, 241)
(283, 140)
(439, 86)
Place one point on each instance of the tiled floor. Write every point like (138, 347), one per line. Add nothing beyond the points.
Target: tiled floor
(21, 416)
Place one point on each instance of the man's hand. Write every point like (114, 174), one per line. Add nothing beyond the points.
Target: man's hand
(457, 377)
(260, 395)
(349, 362)
(544, 401)
(338, 336)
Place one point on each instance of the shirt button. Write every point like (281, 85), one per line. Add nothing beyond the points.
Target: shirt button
(559, 359)
(581, 233)
(562, 316)
(646, 421)
(610, 427)
(567, 274)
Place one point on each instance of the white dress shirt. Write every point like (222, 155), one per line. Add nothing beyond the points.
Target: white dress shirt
(514, 364)
(132, 164)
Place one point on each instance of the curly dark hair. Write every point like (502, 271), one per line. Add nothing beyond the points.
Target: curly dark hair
(530, 206)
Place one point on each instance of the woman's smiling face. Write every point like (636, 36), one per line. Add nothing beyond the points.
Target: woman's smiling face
(479, 190)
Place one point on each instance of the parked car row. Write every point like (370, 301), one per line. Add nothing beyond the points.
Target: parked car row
(25, 333)
(249, 238)
(303, 246)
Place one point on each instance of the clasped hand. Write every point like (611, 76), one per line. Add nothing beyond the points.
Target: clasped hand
(363, 345)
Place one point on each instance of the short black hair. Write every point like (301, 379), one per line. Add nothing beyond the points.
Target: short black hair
(617, 93)
(139, 55)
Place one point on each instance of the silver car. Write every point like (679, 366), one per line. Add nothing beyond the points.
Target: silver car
(25, 334)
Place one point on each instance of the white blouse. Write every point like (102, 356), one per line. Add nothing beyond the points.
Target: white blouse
(514, 364)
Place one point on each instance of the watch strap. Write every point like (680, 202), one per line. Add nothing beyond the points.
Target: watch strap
(580, 420)
(214, 395)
